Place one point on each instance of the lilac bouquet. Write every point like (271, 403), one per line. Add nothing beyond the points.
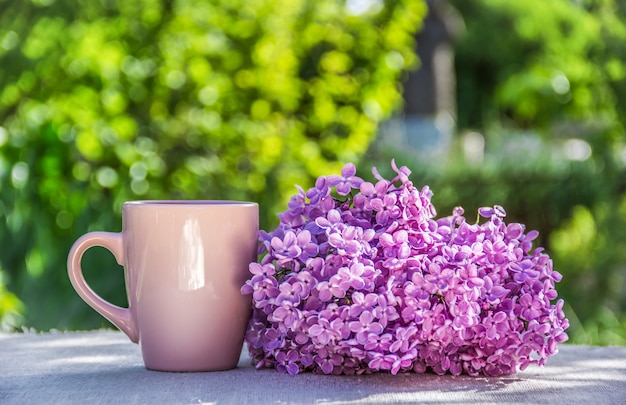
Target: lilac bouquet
(360, 277)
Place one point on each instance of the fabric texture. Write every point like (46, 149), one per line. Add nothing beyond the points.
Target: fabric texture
(104, 367)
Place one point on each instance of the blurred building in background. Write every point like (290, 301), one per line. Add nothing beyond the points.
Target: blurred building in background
(425, 126)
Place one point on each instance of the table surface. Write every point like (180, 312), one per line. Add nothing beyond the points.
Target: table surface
(102, 367)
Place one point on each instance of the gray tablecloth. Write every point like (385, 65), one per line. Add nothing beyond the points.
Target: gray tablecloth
(103, 367)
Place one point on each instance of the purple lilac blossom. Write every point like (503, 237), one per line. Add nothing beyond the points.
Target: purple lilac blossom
(361, 277)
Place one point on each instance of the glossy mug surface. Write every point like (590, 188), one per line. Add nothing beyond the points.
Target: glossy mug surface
(184, 264)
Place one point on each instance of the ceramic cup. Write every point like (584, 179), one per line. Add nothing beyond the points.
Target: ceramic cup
(184, 264)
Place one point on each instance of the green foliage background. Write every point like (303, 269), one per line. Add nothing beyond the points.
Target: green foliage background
(107, 101)
(556, 69)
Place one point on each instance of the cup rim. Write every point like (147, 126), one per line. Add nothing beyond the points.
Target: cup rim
(189, 203)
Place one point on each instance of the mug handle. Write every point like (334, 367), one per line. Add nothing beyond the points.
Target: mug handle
(118, 316)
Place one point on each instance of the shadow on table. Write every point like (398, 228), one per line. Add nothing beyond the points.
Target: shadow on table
(571, 379)
(106, 368)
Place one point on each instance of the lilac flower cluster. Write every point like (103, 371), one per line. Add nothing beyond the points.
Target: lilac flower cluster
(360, 277)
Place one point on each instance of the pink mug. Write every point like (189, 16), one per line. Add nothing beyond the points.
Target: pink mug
(184, 264)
